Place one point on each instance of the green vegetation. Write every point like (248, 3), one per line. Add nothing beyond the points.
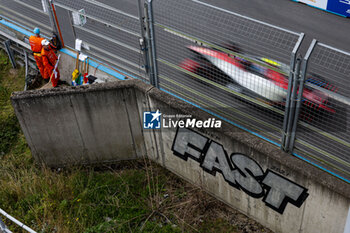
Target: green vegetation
(136, 196)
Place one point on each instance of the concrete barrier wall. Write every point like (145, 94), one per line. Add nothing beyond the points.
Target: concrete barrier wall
(75, 126)
(103, 123)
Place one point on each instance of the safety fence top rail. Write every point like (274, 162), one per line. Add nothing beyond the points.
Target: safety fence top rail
(335, 49)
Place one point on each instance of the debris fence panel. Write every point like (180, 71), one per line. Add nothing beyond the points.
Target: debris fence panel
(27, 13)
(108, 34)
(323, 132)
(228, 64)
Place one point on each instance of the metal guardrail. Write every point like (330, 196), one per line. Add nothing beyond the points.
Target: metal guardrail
(3, 227)
(220, 61)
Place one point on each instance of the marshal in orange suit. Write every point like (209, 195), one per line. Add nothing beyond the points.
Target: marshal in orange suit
(35, 44)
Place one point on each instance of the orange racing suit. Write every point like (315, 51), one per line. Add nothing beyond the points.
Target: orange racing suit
(49, 60)
(35, 44)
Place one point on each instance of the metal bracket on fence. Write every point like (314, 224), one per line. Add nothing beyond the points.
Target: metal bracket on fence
(7, 45)
(151, 38)
(300, 95)
(290, 87)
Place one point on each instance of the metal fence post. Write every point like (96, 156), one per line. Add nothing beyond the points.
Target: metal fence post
(148, 46)
(293, 100)
(54, 20)
(152, 43)
(7, 45)
(144, 44)
(300, 94)
(26, 67)
(290, 87)
(51, 17)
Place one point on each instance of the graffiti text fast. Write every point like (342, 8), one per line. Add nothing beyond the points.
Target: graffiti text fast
(239, 171)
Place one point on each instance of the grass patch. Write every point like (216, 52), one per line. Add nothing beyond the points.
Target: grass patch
(137, 196)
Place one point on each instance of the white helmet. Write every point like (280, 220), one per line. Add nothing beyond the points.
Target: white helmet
(45, 42)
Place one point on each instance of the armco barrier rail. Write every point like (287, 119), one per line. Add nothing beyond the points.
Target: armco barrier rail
(239, 69)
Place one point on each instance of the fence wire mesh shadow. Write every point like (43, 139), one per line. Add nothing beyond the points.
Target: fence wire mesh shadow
(323, 134)
(28, 13)
(108, 34)
(231, 65)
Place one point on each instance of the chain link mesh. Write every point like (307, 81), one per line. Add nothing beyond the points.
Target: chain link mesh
(27, 13)
(111, 34)
(324, 134)
(230, 65)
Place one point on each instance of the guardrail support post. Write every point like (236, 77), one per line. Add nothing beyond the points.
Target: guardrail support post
(292, 71)
(151, 37)
(7, 45)
(51, 17)
(26, 67)
(300, 94)
(144, 43)
(148, 48)
(54, 21)
(292, 105)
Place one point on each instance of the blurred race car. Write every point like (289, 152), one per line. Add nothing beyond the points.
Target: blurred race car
(256, 77)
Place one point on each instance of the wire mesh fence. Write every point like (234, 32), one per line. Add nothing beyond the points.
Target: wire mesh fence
(231, 65)
(323, 133)
(29, 13)
(108, 33)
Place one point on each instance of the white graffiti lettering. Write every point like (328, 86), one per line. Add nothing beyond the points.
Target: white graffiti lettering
(239, 171)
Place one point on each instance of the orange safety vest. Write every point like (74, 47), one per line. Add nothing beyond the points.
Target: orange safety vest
(35, 44)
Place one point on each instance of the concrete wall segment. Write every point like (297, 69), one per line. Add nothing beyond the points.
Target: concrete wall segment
(102, 123)
(232, 132)
(255, 143)
(83, 119)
